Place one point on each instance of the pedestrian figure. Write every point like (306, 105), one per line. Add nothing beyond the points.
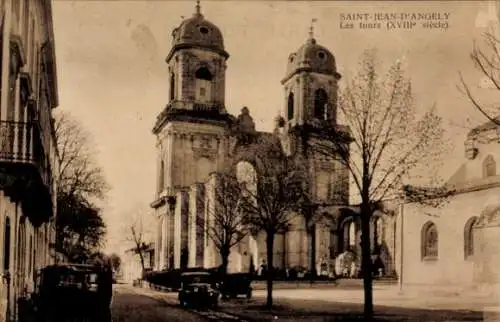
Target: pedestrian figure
(353, 269)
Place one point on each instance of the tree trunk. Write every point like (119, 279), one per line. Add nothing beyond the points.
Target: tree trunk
(366, 262)
(312, 254)
(224, 253)
(270, 268)
(143, 266)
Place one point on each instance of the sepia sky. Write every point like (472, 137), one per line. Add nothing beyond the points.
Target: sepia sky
(113, 77)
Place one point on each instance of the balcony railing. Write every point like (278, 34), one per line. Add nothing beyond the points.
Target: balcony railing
(21, 143)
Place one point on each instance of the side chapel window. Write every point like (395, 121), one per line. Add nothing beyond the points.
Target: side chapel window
(469, 237)
(489, 167)
(429, 241)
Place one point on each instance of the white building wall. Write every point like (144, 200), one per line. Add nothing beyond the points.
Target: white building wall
(451, 267)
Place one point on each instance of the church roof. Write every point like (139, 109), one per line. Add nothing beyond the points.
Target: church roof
(197, 31)
(490, 217)
(490, 125)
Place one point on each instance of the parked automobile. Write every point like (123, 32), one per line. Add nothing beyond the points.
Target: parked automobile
(236, 284)
(198, 290)
(73, 291)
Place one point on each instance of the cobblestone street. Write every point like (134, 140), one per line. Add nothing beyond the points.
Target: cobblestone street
(136, 304)
(130, 305)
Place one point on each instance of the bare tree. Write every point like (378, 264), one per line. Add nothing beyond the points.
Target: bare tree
(226, 226)
(486, 59)
(138, 233)
(271, 193)
(78, 171)
(385, 144)
(80, 183)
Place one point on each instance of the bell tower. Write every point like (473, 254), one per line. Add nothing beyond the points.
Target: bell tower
(309, 107)
(310, 86)
(191, 130)
(197, 66)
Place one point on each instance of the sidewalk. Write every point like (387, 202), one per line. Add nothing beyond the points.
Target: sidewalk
(347, 305)
(317, 310)
(387, 296)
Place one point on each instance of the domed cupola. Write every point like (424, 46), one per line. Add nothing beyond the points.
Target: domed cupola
(197, 32)
(311, 57)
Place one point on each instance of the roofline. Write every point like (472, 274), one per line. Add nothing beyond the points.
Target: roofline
(213, 49)
(308, 69)
(50, 32)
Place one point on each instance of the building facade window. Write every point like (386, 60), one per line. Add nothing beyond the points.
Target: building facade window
(6, 245)
(429, 241)
(290, 106)
(203, 85)
(321, 104)
(469, 237)
(489, 167)
(172, 86)
(22, 247)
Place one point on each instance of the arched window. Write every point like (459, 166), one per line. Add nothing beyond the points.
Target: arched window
(204, 74)
(321, 104)
(351, 234)
(203, 85)
(469, 237)
(429, 241)
(172, 86)
(290, 106)
(489, 167)
(333, 241)
(6, 245)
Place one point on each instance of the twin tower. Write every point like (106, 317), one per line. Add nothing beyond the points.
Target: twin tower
(192, 131)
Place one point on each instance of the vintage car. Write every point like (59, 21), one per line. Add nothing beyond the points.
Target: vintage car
(198, 290)
(73, 291)
(232, 285)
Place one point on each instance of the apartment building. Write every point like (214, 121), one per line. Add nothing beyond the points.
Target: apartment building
(28, 152)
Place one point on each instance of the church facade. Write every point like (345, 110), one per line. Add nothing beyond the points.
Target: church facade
(197, 138)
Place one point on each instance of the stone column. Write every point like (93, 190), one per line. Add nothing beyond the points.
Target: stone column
(171, 236)
(177, 231)
(165, 240)
(192, 226)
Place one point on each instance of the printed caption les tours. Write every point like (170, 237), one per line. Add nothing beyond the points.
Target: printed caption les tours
(394, 21)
